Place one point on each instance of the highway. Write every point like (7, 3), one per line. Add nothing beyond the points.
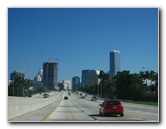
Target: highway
(76, 109)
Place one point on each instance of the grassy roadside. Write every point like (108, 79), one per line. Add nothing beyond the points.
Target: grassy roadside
(146, 102)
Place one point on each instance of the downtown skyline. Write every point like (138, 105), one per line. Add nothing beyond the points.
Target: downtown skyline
(81, 39)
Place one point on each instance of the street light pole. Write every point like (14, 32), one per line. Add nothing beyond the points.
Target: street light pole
(23, 81)
(13, 85)
(98, 89)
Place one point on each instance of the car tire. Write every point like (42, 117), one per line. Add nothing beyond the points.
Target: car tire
(122, 115)
(103, 114)
(100, 113)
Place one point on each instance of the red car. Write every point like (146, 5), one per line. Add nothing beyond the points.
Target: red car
(111, 107)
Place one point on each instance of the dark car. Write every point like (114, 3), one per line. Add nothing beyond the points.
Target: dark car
(93, 98)
(111, 107)
(30, 95)
(65, 98)
(46, 95)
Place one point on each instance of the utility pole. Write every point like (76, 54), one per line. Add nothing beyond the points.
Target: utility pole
(13, 85)
(23, 83)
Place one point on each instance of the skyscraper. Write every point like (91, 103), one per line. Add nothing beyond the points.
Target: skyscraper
(85, 77)
(93, 77)
(114, 63)
(50, 75)
(16, 74)
(75, 83)
(90, 77)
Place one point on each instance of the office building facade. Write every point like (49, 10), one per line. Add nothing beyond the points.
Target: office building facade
(93, 77)
(75, 83)
(16, 74)
(50, 75)
(114, 63)
(90, 77)
(85, 77)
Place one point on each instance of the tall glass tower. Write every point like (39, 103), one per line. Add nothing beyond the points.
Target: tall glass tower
(85, 77)
(114, 63)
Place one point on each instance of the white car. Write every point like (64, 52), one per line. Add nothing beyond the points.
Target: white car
(93, 98)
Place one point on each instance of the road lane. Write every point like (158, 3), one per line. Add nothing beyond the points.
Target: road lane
(77, 109)
(69, 111)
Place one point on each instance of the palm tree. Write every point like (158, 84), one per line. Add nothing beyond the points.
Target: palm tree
(16, 86)
(104, 79)
(152, 75)
(27, 85)
(19, 86)
(101, 80)
(22, 87)
(142, 75)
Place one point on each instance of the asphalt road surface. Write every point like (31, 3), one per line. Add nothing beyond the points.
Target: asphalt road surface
(76, 109)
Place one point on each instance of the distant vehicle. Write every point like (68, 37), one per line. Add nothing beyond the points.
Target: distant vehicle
(93, 98)
(69, 93)
(46, 95)
(30, 95)
(111, 107)
(65, 98)
(83, 97)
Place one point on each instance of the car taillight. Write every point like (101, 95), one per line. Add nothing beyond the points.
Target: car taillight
(118, 106)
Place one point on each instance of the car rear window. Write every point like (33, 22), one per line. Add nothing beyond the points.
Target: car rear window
(113, 102)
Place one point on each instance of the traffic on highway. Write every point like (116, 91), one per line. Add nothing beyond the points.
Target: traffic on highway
(81, 107)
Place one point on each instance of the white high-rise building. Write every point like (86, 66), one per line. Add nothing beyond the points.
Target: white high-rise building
(41, 74)
(67, 85)
(37, 78)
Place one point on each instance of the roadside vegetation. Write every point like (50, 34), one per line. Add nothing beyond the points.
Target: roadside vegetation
(146, 102)
(126, 86)
(23, 87)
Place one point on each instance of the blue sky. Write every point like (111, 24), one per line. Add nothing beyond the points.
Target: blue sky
(82, 39)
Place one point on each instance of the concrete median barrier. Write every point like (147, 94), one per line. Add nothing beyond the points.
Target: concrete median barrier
(19, 105)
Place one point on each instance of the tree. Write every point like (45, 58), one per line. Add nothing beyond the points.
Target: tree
(104, 81)
(110, 90)
(10, 90)
(129, 86)
(107, 87)
(142, 75)
(27, 85)
(19, 86)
